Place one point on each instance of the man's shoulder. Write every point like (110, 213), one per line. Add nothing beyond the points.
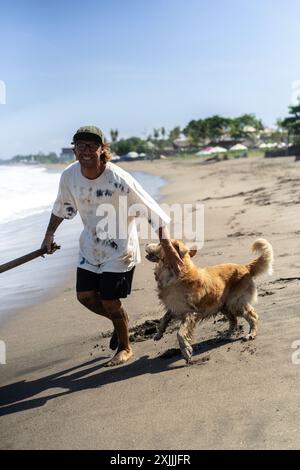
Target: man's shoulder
(118, 173)
(70, 170)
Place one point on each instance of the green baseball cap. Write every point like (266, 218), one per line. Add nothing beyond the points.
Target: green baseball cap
(92, 133)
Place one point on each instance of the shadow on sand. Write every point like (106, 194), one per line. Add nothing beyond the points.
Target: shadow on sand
(17, 396)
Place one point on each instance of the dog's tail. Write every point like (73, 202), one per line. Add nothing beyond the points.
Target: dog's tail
(264, 263)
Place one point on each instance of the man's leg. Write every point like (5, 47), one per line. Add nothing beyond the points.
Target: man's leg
(115, 286)
(92, 300)
(114, 311)
(114, 341)
(119, 318)
(87, 288)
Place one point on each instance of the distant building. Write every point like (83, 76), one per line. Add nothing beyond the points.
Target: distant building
(249, 129)
(182, 142)
(66, 154)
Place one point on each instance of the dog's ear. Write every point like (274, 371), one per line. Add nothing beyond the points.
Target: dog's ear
(193, 252)
(180, 248)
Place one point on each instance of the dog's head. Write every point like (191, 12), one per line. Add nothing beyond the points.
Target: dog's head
(155, 252)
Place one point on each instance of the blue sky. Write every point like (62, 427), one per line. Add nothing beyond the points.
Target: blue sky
(135, 65)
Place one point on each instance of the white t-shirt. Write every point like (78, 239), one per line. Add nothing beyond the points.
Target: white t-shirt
(107, 206)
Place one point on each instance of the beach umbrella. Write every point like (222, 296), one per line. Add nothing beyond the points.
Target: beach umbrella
(239, 147)
(271, 145)
(206, 151)
(132, 155)
(219, 150)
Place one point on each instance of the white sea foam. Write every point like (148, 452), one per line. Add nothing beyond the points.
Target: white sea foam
(28, 190)
(25, 191)
(27, 194)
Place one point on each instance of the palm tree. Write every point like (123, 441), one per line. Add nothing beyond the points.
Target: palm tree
(114, 135)
(156, 134)
(174, 133)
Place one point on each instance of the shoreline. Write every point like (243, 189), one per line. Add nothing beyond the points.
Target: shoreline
(242, 394)
(62, 264)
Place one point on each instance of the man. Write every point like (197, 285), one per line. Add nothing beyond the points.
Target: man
(108, 254)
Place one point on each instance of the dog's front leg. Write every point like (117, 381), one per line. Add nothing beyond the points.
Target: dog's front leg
(185, 335)
(163, 325)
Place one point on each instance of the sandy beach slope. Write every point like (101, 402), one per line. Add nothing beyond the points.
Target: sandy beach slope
(56, 394)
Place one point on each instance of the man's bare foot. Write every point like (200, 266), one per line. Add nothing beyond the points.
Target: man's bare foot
(120, 358)
(114, 342)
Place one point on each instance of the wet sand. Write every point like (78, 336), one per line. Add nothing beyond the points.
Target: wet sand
(56, 394)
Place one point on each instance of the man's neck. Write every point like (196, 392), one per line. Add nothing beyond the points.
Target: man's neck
(93, 173)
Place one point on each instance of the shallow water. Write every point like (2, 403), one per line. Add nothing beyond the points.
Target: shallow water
(22, 228)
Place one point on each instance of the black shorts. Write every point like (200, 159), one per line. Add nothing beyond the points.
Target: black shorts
(111, 286)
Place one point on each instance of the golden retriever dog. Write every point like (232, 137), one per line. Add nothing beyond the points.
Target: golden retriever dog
(199, 293)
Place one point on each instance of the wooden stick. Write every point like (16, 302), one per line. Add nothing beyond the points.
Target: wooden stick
(24, 259)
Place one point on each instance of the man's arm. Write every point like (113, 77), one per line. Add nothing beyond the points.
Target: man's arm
(138, 195)
(172, 255)
(49, 235)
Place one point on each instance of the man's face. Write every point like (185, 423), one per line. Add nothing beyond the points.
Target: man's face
(88, 153)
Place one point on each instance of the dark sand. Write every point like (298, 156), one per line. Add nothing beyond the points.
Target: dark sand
(56, 394)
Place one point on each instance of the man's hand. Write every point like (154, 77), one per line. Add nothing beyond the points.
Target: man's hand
(48, 242)
(173, 258)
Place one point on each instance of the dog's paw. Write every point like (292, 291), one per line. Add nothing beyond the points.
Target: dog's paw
(187, 353)
(249, 337)
(158, 336)
(228, 334)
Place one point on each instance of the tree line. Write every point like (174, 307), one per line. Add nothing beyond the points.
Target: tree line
(197, 132)
(215, 128)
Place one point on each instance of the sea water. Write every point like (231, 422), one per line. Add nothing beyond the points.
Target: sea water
(27, 194)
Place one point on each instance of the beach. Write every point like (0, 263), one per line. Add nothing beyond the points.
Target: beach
(56, 393)
(27, 193)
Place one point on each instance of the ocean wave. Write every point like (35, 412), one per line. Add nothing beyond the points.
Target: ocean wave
(26, 191)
